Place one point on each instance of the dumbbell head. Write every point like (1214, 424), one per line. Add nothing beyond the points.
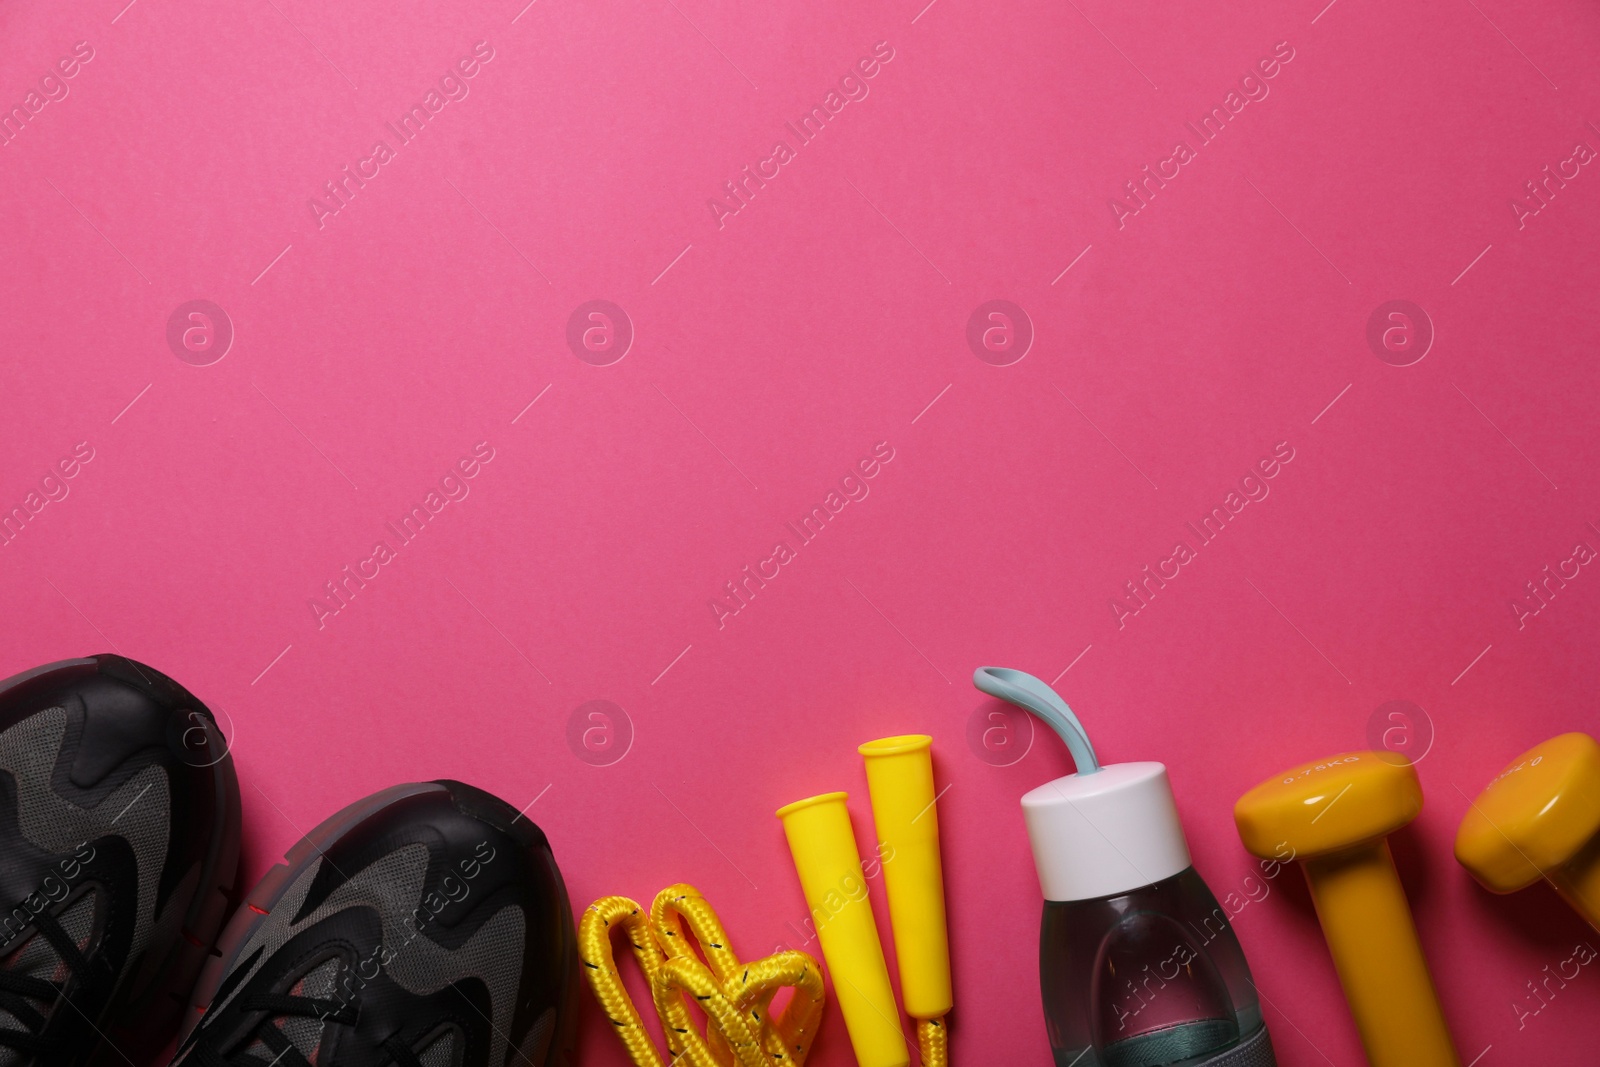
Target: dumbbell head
(1334, 814)
(1329, 805)
(1532, 820)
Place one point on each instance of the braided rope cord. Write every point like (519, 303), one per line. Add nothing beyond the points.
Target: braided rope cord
(933, 1042)
(735, 996)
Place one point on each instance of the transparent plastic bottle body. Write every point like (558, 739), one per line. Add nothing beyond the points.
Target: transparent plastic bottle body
(1150, 978)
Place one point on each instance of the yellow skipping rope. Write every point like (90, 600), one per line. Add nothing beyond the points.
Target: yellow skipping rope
(735, 996)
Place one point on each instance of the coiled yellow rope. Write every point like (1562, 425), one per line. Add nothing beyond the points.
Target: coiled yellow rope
(735, 996)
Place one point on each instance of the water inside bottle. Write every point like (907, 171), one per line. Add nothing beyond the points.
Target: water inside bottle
(1150, 978)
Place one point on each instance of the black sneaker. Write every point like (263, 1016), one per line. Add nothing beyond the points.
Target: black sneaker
(425, 926)
(119, 845)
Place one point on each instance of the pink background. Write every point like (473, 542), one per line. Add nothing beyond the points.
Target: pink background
(770, 355)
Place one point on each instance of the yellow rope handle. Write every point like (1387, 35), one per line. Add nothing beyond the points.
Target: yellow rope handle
(735, 996)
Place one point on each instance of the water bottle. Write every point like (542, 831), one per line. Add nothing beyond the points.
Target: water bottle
(1138, 963)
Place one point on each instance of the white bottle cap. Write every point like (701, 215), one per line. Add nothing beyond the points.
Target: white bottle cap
(1105, 833)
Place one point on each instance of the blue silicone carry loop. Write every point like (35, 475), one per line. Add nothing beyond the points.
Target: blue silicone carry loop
(1027, 692)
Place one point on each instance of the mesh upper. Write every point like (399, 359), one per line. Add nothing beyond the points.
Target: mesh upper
(38, 958)
(303, 1031)
(136, 811)
(392, 886)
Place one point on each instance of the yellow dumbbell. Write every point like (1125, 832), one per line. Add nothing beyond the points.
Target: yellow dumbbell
(1540, 819)
(1335, 815)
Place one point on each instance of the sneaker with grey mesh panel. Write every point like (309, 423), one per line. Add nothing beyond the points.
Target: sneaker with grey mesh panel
(119, 845)
(424, 926)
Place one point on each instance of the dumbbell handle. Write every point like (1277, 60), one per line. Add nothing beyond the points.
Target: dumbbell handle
(1578, 882)
(1370, 933)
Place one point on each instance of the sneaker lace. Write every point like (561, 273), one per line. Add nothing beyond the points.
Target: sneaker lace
(286, 1005)
(19, 992)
